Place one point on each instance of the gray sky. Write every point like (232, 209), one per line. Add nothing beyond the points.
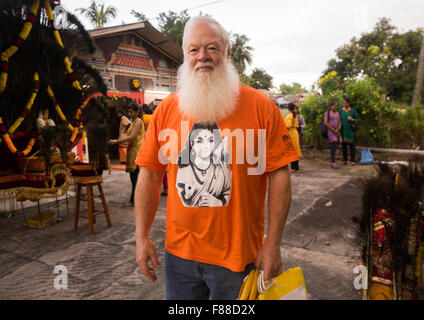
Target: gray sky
(292, 39)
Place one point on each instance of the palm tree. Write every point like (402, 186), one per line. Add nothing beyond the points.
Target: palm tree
(140, 16)
(241, 53)
(98, 14)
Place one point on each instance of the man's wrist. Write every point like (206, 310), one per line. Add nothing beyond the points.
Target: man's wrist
(142, 236)
(272, 242)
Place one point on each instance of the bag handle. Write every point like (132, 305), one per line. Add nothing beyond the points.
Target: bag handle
(262, 285)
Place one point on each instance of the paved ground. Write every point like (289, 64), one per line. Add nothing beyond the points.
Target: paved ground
(320, 237)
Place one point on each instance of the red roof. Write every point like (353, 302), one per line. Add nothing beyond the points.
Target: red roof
(132, 61)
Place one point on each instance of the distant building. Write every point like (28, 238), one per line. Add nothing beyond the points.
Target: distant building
(297, 98)
(136, 61)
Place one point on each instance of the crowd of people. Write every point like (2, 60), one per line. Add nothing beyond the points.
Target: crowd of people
(341, 130)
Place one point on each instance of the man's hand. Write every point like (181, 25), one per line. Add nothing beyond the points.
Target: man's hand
(145, 251)
(208, 200)
(269, 257)
(147, 195)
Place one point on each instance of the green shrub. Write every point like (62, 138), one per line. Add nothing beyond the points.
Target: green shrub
(330, 82)
(313, 109)
(383, 123)
(405, 130)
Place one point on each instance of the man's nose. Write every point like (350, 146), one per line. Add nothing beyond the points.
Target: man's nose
(203, 55)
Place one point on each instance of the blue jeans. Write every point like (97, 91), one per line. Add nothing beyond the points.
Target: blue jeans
(191, 280)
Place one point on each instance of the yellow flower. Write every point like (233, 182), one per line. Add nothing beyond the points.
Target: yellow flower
(374, 49)
(372, 130)
(333, 73)
(364, 112)
(353, 93)
(375, 106)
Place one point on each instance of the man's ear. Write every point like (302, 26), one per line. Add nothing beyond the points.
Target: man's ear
(228, 53)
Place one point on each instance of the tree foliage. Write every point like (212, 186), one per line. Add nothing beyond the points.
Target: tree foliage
(261, 79)
(172, 25)
(388, 56)
(384, 123)
(140, 16)
(294, 88)
(98, 14)
(241, 53)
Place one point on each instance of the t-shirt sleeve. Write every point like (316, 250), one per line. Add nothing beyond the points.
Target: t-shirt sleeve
(280, 150)
(148, 155)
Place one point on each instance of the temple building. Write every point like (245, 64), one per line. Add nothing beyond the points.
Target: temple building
(136, 61)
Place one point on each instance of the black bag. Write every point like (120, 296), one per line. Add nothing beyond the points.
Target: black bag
(354, 126)
(323, 128)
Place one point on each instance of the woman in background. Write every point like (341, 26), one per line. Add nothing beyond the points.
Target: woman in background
(124, 124)
(135, 136)
(348, 115)
(292, 124)
(334, 125)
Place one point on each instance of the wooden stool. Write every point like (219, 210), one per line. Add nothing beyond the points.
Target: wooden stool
(89, 183)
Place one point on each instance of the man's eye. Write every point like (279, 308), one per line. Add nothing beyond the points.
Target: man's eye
(193, 50)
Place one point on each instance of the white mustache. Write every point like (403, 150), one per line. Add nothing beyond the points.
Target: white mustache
(204, 64)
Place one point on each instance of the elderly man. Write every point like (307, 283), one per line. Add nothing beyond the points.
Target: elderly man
(217, 176)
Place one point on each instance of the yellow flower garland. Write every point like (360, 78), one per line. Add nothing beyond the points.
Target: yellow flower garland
(34, 194)
(28, 106)
(69, 70)
(7, 54)
(78, 114)
(56, 34)
(23, 35)
(12, 147)
(58, 109)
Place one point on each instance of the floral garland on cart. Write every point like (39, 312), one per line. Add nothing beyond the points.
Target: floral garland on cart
(6, 133)
(8, 53)
(50, 190)
(72, 76)
(58, 172)
(23, 35)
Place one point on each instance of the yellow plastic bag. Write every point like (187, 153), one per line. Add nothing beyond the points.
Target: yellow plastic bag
(249, 288)
(289, 285)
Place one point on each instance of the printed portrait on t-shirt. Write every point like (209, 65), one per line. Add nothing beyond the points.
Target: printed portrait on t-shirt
(204, 176)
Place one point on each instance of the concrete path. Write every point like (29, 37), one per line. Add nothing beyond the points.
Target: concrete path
(319, 237)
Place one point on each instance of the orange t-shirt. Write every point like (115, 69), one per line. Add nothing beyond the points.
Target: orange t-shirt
(216, 212)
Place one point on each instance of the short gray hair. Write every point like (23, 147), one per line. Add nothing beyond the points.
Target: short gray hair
(205, 19)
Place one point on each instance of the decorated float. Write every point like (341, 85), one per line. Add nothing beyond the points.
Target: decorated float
(392, 232)
(46, 114)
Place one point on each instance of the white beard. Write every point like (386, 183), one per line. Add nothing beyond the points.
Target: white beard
(209, 96)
